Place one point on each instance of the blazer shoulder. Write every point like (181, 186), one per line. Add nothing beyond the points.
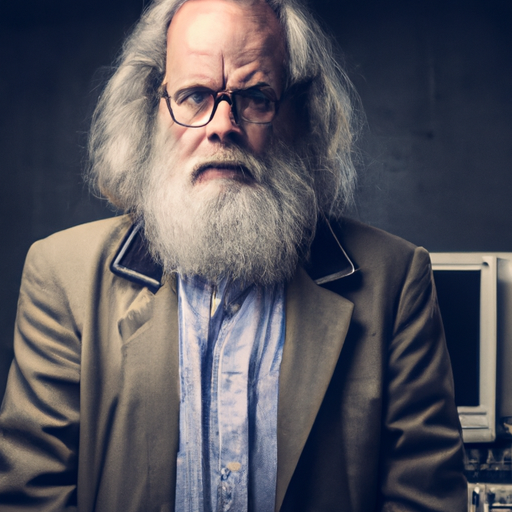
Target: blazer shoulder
(92, 241)
(358, 234)
(371, 246)
(379, 257)
(74, 258)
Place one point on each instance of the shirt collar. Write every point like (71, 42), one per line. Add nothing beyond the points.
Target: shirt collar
(328, 260)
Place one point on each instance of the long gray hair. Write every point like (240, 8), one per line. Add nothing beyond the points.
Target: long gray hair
(123, 123)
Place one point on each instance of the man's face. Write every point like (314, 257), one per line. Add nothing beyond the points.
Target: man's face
(226, 200)
(220, 45)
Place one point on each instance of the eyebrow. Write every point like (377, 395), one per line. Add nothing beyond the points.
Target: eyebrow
(198, 86)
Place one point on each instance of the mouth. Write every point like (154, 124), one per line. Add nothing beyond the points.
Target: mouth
(222, 170)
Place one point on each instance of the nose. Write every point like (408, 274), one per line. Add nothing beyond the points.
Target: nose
(222, 127)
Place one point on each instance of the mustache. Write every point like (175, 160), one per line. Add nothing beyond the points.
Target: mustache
(247, 165)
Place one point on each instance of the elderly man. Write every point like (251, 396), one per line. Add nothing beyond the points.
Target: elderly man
(231, 343)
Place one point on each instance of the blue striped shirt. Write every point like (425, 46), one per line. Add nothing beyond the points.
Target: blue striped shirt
(231, 343)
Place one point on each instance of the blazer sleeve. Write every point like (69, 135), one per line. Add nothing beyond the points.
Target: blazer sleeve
(422, 467)
(39, 418)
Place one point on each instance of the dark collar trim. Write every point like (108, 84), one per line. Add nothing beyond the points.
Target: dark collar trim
(133, 261)
(347, 270)
(328, 259)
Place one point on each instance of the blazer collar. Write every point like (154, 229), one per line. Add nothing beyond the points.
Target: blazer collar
(134, 262)
(328, 260)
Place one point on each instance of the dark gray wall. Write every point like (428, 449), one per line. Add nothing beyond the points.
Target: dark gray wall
(53, 55)
(435, 79)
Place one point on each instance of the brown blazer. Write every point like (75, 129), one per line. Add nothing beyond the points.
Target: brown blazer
(366, 418)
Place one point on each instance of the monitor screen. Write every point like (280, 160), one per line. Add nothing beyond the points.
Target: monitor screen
(459, 300)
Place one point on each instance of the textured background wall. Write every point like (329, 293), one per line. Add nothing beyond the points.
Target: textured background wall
(435, 79)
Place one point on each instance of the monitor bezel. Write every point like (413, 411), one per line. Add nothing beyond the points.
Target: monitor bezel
(479, 422)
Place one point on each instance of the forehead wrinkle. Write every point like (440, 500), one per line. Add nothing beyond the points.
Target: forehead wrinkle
(242, 77)
(257, 58)
(258, 51)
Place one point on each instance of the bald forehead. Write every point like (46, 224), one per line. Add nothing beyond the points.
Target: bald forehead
(259, 10)
(199, 12)
(235, 36)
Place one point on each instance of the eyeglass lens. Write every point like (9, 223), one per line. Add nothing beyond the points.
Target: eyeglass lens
(196, 108)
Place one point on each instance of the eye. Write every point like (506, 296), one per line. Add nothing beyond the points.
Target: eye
(256, 99)
(255, 95)
(193, 98)
(198, 97)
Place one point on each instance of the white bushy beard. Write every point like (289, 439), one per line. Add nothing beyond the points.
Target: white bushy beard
(254, 231)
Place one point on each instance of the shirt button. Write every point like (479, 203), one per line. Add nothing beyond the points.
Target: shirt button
(233, 309)
(234, 466)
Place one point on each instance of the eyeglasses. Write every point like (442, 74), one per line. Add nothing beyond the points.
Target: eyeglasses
(195, 108)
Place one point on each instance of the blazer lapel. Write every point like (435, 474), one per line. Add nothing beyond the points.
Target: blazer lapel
(149, 330)
(317, 322)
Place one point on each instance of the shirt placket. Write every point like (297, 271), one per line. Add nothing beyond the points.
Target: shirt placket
(229, 414)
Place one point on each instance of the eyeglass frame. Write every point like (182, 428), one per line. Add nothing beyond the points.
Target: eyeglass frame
(219, 96)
